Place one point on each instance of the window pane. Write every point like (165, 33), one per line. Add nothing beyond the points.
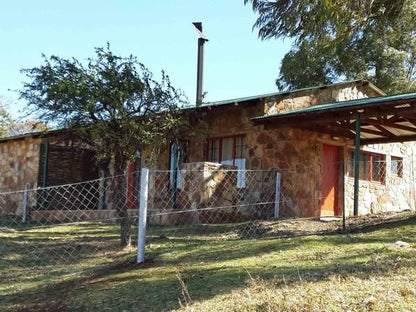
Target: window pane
(378, 168)
(240, 161)
(351, 167)
(396, 167)
(214, 150)
(227, 149)
(364, 163)
(372, 167)
(240, 146)
(364, 167)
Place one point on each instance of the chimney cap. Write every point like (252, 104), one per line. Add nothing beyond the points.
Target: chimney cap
(198, 27)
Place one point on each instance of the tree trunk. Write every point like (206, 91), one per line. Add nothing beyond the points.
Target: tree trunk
(125, 228)
(121, 201)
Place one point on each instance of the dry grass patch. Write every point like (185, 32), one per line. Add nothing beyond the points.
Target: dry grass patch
(393, 292)
(191, 271)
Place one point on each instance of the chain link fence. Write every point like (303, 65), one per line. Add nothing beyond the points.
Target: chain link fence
(64, 229)
(72, 228)
(203, 202)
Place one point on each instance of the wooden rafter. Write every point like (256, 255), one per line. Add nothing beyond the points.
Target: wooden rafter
(396, 125)
(380, 122)
(379, 125)
(389, 140)
(410, 119)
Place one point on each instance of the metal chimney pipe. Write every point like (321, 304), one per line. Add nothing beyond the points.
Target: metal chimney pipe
(200, 65)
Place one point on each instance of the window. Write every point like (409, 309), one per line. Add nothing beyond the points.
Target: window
(178, 155)
(226, 150)
(372, 166)
(229, 151)
(396, 166)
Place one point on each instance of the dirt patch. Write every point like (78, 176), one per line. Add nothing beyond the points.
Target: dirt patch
(317, 226)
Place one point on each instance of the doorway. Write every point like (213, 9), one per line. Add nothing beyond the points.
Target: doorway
(330, 200)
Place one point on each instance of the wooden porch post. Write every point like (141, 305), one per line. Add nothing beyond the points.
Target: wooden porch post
(357, 163)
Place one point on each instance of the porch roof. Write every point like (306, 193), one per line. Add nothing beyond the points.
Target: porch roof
(383, 119)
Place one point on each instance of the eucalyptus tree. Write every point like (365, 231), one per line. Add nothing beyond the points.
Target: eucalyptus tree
(342, 40)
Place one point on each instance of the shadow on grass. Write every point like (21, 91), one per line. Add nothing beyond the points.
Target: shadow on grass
(132, 287)
(213, 267)
(32, 255)
(189, 248)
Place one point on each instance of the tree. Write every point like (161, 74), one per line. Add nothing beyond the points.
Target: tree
(343, 39)
(112, 104)
(26, 126)
(5, 120)
(10, 126)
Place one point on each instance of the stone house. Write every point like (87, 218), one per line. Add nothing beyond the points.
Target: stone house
(37, 160)
(306, 135)
(43, 159)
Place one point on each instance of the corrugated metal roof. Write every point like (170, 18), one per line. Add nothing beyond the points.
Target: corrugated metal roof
(281, 93)
(339, 105)
(228, 102)
(31, 134)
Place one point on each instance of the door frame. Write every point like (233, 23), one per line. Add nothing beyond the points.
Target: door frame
(337, 206)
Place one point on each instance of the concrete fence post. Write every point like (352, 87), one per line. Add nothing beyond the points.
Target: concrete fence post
(277, 196)
(144, 191)
(25, 203)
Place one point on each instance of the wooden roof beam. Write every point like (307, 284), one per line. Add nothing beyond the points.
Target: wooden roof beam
(379, 125)
(388, 140)
(333, 115)
(391, 125)
(410, 119)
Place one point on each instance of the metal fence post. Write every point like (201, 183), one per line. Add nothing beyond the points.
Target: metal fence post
(25, 203)
(344, 228)
(144, 187)
(277, 196)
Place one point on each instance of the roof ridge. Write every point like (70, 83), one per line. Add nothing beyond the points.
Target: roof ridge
(265, 95)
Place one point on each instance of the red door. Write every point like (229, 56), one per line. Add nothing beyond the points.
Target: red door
(330, 169)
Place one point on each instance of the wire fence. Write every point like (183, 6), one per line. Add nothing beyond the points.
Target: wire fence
(72, 228)
(63, 229)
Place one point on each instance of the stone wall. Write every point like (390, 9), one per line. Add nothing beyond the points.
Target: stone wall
(293, 152)
(209, 193)
(296, 153)
(395, 193)
(306, 98)
(205, 185)
(19, 163)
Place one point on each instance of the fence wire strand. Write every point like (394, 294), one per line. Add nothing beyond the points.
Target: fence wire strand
(76, 227)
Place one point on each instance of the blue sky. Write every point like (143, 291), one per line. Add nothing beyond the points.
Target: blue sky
(158, 32)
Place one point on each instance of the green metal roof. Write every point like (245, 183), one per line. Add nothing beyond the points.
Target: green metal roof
(228, 102)
(266, 95)
(31, 134)
(341, 105)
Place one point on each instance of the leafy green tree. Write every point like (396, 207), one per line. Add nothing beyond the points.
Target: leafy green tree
(5, 120)
(112, 104)
(343, 39)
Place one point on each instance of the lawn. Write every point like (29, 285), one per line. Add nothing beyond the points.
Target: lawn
(215, 269)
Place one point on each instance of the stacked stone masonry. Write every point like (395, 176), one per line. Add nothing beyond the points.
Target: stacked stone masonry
(296, 154)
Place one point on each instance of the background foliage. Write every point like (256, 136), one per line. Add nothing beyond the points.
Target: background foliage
(343, 40)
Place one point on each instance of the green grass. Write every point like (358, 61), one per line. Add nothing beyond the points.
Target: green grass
(215, 271)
